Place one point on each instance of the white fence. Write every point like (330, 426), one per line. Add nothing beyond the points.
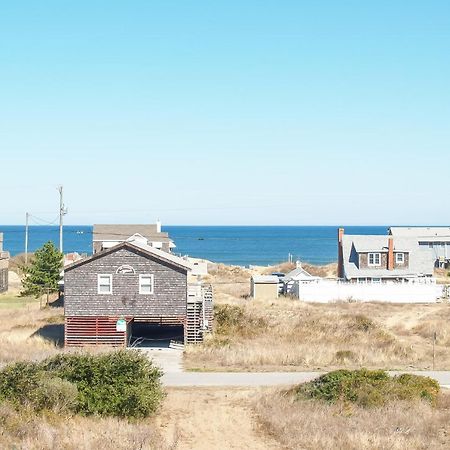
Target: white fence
(332, 291)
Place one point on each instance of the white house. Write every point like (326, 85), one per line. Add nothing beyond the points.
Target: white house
(297, 276)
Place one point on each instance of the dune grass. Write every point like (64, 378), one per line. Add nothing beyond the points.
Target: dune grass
(314, 424)
(286, 334)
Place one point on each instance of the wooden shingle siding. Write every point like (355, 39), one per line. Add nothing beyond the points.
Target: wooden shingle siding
(81, 296)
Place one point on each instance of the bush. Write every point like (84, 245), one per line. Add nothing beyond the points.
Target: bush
(232, 320)
(343, 355)
(123, 384)
(368, 387)
(362, 323)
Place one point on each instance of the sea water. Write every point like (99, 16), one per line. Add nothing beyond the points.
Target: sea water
(240, 245)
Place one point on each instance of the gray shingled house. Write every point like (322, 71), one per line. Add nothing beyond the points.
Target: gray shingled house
(431, 239)
(379, 258)
(129, 292)
(108, 235)
(4, 266)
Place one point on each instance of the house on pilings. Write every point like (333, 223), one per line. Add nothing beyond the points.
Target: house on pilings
(134, 294)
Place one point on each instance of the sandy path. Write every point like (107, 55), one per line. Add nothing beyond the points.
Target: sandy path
(212, 418)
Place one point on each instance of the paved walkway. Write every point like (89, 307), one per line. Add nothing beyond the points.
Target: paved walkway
(171, 362)
(245, 379)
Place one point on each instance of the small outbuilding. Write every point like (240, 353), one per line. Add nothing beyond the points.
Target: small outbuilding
(298, 276)
(264, 286)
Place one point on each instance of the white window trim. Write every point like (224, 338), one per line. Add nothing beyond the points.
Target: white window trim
(110, 283)
(374, 264)
(397, 261)
(146, 275)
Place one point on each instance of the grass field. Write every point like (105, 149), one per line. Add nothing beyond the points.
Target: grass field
(313, 425)
(286, 334)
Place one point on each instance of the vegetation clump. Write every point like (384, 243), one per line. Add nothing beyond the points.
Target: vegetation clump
(232, 320)
(43, 274)
(345, 355)
(368, 388)
(122, 384)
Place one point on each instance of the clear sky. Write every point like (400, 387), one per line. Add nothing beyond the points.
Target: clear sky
(226, 112)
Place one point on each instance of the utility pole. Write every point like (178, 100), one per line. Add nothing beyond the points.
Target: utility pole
(62, 213)
(27, 215)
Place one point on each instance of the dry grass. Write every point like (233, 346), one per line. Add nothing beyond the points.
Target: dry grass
(26, 331)
(317, 425)
(206, 418)
(300, 336)
(27, 431)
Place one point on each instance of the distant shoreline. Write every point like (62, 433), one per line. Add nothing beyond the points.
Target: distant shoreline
(232, 245)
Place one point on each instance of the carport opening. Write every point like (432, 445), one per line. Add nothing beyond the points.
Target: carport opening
(143, 334)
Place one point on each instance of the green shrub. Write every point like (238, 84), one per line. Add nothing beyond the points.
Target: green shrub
(233, 320)
(362, 323)
(368, 388)
(122, 383)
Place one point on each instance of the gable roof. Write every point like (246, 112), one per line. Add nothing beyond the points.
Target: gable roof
(421, 232)
(299, 274)
(379, 243)
(421, 261)
(265, 279)
(146, 249)
(114, 232)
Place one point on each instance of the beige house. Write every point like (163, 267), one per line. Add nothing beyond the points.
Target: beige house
(264, 287)
(109, 235)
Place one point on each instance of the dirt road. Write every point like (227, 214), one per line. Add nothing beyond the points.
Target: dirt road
(212, 418)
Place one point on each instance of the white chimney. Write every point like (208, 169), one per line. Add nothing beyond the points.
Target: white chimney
(158, 226)
(298, 264)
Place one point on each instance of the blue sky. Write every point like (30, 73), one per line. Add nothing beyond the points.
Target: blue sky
(200, 112)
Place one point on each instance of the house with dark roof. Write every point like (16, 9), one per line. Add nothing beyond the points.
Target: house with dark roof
(133, 292)
(108, 235)
(430, 239)
(4, 266)
(378, 258)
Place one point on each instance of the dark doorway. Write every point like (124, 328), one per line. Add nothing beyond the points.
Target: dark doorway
(143, 334)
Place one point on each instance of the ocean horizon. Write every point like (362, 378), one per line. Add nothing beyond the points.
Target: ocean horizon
(237, 245)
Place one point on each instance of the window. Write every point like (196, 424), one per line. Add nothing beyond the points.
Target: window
(104, 284)
(376, 280)
(145, 284)
(400, 258)
(374, 259)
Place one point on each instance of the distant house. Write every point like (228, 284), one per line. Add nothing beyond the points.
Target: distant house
(298, 276)
(376, 259)
(107, 235)
(431, 239)
(133, 291)
(4, 266)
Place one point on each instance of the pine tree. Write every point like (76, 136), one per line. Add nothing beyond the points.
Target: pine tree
(43, 273)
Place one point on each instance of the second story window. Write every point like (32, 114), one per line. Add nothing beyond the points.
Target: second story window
(374, 259)
(400, 258)
(104, 284)
(145, 284)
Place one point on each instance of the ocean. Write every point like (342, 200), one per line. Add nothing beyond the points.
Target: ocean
(239, 245)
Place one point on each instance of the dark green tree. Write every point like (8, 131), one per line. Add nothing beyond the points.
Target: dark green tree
(43, 273)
